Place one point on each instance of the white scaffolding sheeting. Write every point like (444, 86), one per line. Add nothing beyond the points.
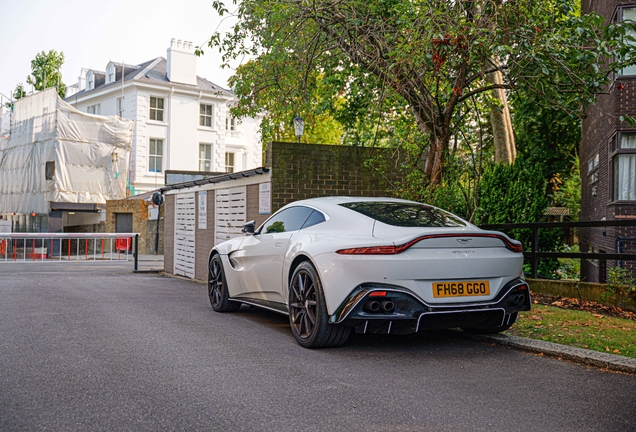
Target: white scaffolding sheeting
(90, 155)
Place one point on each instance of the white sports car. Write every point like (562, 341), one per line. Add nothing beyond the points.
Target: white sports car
(373, 265)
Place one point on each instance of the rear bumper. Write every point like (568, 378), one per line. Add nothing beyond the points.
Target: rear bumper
(401, 312)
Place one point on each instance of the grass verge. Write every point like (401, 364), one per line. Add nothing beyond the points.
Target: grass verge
(578, 329)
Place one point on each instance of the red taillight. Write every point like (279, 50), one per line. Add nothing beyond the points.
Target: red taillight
(374, 250)
(378, 294)
(515, 247)
(394, 250)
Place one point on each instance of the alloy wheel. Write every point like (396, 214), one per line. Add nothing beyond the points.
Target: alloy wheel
(303, 304)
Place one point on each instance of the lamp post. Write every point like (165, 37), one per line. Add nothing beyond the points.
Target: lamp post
(299, 126)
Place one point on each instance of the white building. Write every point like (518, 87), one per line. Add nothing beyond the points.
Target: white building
(182, 121)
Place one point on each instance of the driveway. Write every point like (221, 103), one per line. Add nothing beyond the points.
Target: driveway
(96, 347)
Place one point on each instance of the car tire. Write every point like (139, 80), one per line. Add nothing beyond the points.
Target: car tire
(308, 316)
(492, 330)
(217, 287)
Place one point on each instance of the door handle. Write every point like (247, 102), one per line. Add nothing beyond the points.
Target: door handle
(278, 244)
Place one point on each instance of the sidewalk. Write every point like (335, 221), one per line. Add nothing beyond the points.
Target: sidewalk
(601, 360)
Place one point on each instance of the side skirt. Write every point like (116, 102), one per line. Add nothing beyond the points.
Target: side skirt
(280, 308)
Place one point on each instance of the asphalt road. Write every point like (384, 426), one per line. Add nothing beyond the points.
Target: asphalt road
(96, 348)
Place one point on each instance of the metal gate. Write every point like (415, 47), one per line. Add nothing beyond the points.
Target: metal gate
(184, 234)
(229, 213)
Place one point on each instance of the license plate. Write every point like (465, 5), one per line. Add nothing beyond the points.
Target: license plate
(461, 289)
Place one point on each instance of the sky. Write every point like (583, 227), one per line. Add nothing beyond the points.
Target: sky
(93, 33)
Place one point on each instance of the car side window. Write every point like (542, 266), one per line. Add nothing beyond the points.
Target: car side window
(314, 218)
(290, 219)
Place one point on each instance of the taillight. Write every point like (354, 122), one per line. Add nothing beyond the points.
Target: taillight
(394, 250)
(373, 250)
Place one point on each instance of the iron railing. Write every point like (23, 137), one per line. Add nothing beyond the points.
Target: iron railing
(66, 247)
(534, 253)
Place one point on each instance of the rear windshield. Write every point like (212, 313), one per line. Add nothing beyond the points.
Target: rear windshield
(405, 214)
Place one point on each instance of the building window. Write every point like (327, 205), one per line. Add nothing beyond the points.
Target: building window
(230, 123)
(110, 74)
(156, 109)
(49, 170)
(205, 157)
(624, 165)
(205, 117)
(120, 107)
(155, 155)
(593, 163)
(93, 109)
(90, 80)
(628, 14)
(229, 162)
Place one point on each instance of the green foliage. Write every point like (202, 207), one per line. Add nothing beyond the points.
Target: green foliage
(620, 280)
(516, 194)
(568, 192)
(547, 136)
(511, 194)
(19, 92)
(569, 268)
(45, 72)
(394, 72)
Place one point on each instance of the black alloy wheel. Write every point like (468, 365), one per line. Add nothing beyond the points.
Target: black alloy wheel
(217, 287)
(308, 311)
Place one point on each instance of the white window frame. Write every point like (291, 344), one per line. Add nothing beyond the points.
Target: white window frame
(204, 117)
(90, 80)
(158, 112)
(619, 151)
(618, 18)
(156, 155)
(230, 123)
(120, 106)
(94, 109)
(111, 74)
(205, 156)
(229, 167)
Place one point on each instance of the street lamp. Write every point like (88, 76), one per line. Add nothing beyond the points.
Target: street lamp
(299, 126)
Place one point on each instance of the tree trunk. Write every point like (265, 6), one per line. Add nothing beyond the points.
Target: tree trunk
(501, 122)
(439, 139)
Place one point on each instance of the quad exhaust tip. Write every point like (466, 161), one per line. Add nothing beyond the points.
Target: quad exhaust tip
(374, 306)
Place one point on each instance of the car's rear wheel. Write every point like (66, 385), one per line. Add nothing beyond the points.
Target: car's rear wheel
(217, 287)
(492, 330)
(308, 311)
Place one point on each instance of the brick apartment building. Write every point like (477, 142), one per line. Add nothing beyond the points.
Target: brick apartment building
(608, 158)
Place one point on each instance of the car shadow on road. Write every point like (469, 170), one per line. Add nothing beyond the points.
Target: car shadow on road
(423, 339)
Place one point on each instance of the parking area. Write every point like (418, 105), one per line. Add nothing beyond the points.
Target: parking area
(97, 347)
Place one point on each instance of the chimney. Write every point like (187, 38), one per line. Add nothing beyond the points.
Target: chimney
(182, 63)
(81, 81)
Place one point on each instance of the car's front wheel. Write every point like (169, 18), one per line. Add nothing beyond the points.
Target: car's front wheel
(308, 311)
(217, 287)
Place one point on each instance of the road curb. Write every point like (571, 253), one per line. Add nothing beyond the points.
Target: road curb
(578, 355)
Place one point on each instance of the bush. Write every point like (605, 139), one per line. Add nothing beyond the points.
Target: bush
(516, 194)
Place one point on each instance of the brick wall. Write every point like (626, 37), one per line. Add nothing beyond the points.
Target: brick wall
(599, 126)
(141, 224)
(301, 171)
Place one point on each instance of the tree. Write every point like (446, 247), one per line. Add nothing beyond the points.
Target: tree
(45, 72)
(19, 92)
(434, 56)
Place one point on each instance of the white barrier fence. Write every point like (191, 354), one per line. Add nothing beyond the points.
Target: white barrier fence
(65, 247)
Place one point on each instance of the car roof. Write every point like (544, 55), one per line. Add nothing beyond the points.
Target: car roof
(325, 203)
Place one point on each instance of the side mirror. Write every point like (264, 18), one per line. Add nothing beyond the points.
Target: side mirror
(249, 227)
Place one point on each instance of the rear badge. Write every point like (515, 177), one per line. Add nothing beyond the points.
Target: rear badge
(464, 240)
